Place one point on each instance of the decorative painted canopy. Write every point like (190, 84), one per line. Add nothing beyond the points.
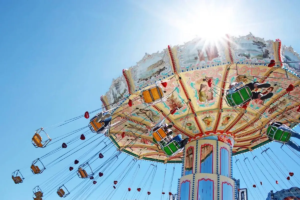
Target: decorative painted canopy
(197, 75)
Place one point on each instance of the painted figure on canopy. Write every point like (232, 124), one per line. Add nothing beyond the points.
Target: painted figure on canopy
(277, 106)
(190, 126)
(205, 91)
(174, 102)
(242, 78)
(148, 114)
(211, 52)
(226, 120)
(208, 120)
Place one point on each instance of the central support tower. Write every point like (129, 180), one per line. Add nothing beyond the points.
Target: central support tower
(207, 171)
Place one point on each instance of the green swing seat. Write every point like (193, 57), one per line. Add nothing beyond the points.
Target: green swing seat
(239, 97)
(170, 148)
(277, 134)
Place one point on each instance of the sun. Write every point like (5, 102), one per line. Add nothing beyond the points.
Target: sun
(204, 19)
(208, 21)
(209, 25)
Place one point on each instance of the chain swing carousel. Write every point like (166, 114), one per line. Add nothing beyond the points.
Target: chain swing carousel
(199, 104)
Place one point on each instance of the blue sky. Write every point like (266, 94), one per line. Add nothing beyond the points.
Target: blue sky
(58, 57)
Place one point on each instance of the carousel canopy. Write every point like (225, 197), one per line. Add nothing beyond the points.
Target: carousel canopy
(194, 78)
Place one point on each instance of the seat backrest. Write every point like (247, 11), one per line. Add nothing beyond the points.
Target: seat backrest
(37, 139)
(271, 131)
(61, 192)
(95, 125)
(17, 179)
(32, 168)
(38, 136)
(82, 173)
(167, 150)
(239, 97)
(38, 194)
(14, 179)
(35, 169)
(159, 134)
(156, 93)
(172, 148)
(162, 132)
(285, 137)
(152, 94)
(147, 96)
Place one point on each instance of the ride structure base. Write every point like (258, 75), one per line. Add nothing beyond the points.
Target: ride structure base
(207, 171)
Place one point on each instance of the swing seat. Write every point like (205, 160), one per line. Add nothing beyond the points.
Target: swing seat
(172, 148)
(152, 95)
(61, 192)
(35, 169)
(277, 134)
(37, 140)
(95, 126)
(17, 179)
(159, 134)
(38, 194)
(239, 97)
(38, 198)
(82, 173)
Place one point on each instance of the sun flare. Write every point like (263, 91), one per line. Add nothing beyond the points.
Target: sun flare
(209, 25)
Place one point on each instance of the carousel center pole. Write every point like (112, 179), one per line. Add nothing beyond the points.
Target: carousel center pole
(207, 171)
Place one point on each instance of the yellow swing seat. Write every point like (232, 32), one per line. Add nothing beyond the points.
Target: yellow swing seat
(159, 134)
(61, 192)
(96, 125)
(82, 173)
(38, 194)
(17, 179)
(35, 169)
(37, 139)
(153, 94)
